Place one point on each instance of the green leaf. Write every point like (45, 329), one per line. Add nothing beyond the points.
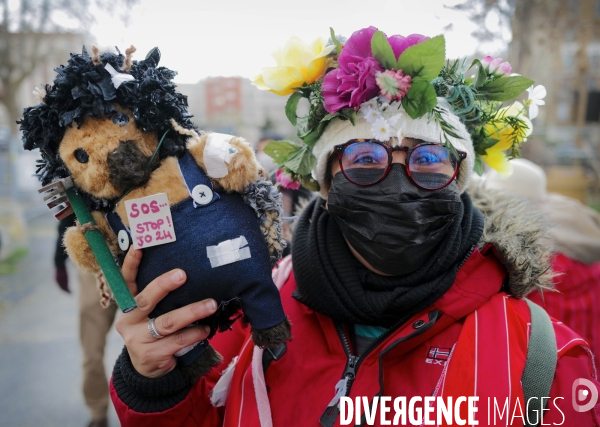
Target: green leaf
(425, 59)
(348, 113)
(279, 151)
(420, 99)
(310, 183)
(482, 146)
(478, 166)
(481, 75)
(301, 162)
(312, 137)
(336, 42)
(291, 106)
(382, 51)
(505, 88)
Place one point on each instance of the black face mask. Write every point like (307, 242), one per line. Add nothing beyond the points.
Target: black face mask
(393, 224)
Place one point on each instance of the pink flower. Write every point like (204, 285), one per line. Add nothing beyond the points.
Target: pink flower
(285, 180)
(487, 61)
(393, 84)
(354, 82)
(400, 44)
(496, 66)
(350, 88)
(504, 68)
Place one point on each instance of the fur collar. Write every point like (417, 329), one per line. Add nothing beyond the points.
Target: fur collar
(520, 234)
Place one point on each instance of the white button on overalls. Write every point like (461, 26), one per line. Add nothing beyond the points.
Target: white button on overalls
(202, 194)
(123, 238)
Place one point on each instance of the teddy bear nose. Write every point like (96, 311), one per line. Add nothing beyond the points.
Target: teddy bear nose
(128, 166)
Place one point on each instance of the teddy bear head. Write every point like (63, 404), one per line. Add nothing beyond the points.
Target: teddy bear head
(101, 122)
(108, 156)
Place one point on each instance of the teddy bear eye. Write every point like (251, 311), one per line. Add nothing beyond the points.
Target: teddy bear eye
(120, 119)
(81, 155)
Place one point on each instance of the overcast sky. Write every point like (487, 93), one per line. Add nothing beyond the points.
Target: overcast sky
(235, 38)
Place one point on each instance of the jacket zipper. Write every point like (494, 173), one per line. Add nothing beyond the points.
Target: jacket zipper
(353, 362)
(466, 258)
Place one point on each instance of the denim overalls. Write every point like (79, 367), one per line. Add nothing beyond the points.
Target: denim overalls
(197, 226)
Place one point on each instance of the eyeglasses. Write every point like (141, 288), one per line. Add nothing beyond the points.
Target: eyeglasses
(430, 166)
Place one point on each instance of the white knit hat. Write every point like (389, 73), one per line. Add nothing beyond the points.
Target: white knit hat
(527, 180)
(341, 131)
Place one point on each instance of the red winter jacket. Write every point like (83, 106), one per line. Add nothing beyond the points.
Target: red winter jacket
(577, 302)
(411, 361)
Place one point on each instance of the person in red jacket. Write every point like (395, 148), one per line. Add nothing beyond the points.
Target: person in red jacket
(405, 292)
(575, 233)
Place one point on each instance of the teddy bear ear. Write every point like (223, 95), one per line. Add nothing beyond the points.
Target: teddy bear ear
(153, 57)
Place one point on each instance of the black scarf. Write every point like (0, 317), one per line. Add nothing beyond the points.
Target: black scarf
(331, 281)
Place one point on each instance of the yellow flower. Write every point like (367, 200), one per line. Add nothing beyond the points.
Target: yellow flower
(297, 63)
(505, 134)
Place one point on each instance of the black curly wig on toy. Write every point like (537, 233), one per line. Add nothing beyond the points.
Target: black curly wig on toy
(84, 88)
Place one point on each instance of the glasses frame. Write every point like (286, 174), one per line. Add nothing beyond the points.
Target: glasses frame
(339, 149)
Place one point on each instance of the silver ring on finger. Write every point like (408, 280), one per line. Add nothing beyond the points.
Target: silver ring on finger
(153, 330)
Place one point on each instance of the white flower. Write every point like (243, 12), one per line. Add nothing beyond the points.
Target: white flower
(381, 130)
(394, 119)
(400, 133)
(384, 102)
(536, 96)
(371, 114)
(371, 103)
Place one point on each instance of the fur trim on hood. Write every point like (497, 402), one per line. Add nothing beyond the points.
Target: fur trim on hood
(520, 234)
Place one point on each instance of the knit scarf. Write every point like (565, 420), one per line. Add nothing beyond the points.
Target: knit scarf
(331, 281)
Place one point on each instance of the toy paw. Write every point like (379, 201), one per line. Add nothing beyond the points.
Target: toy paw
(243, 168)
(203, 364)
(272, 337)
(79, 250)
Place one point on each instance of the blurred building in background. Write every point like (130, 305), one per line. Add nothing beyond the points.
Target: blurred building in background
(232, 105)
(27, 60)
(557, 43)
(33, 59)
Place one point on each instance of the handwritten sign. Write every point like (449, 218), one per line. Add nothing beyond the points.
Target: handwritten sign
(150, 221)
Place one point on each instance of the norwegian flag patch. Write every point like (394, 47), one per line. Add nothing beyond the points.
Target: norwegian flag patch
(438, 355)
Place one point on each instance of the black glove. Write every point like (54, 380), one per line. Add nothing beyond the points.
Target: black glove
(62, 278)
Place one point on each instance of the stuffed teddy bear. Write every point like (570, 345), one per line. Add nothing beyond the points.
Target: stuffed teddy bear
(121, 132)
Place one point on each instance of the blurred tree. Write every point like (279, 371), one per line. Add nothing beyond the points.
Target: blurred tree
(480, 11)
(541, 31)
(555, 42)
(26, 30)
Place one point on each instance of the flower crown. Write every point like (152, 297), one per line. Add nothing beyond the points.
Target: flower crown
(369, 71)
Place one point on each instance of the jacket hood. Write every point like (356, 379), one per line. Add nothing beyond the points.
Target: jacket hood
(520, 234)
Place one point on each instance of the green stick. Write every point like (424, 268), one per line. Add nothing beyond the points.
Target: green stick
(102, 253)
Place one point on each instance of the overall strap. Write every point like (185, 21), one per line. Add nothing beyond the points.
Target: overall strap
(198, 184)
(540, 365)
(120, 229)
